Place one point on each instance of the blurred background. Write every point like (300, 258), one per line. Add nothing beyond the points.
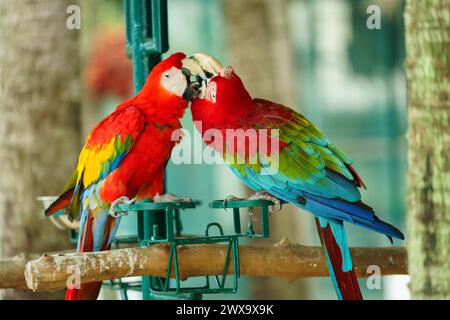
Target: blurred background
(318, 57)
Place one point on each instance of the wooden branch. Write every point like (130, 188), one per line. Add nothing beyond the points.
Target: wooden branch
(12, 269)
(285, 260)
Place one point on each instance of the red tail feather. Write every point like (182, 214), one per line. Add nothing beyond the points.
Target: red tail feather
(346, 281)
(356, 176)
(62, 202)
(88, 291)
(71, 294)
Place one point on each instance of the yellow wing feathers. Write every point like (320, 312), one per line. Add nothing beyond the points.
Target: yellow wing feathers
(92, 159)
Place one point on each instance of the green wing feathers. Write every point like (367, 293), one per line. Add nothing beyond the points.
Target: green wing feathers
(307, 157)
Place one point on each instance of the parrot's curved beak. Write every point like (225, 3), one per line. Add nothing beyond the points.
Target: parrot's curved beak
(209, 65)
(198, 69)
(192, 91)
(194, 76)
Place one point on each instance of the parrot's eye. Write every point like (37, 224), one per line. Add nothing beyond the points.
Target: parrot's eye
(167, 75)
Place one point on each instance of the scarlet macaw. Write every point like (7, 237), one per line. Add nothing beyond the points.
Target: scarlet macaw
(311, 173)
(124, 158)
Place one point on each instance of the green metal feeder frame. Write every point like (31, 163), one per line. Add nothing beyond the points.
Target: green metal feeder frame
(236, 205)
(149, 234)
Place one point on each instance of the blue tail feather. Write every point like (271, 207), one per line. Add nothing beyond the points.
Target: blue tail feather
(341, 239)
(333, 276)
(339, 260)
(353, 212)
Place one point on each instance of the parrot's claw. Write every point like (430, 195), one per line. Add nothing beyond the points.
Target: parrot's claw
(170, 197)
(228, 199)
(122, 200)
(263, 195)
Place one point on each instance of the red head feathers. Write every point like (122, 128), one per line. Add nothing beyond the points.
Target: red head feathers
(224, 101)
(165, 86)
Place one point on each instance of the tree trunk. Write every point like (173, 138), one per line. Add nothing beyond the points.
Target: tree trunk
(39, 123)
(259, 51)
(428, 73)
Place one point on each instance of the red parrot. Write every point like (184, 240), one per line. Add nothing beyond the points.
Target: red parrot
(303, 167)
(124, 158)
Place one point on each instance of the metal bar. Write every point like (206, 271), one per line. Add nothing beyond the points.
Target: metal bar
(123, 294)
(169, 266)
(169, 224)
(140, 225)
(177, 271)
(136, 40)
(227, 264)
(237, 221)
(265, 221)
(237, 266)
(147, 226)
(146, 294)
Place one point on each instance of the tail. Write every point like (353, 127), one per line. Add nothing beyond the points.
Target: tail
(97, 230)
(332, 213)
(339, 260)
(62, 202)
(87, 291)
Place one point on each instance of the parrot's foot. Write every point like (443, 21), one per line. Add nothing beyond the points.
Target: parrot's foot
(263, 195)
(122, 200)
(170, 197)
(228, 199)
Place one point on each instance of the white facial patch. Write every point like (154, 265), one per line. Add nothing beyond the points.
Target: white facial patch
(174, 81)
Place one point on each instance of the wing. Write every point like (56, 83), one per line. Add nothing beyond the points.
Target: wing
(309, 171)
(306, 159)
(104, 149)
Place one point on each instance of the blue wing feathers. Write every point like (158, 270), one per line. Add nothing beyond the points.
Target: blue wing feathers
(350, 208)
(317, 201)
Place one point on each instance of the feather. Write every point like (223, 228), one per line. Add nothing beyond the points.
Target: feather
(342, 273)
(62, 202)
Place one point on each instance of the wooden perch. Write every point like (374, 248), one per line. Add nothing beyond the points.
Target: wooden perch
(285, 260)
